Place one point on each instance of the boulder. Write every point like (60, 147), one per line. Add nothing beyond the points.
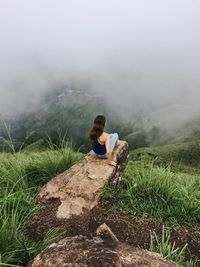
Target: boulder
(79, 188)
(80, 251)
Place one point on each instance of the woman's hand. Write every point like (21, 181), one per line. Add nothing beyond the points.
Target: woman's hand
(112, 163)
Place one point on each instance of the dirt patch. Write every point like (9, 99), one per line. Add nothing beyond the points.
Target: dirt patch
(133, 231)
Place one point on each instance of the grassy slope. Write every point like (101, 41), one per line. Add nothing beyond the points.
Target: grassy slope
(152, 191)
(178, 121)
(184, 157)
(165, 177)
(166, 125)
(21, 176)
(161, 182)
(147, 182)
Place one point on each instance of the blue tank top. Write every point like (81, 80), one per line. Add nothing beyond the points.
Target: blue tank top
(99, 148)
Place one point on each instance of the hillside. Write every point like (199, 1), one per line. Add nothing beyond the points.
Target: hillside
(176, 122)
(68, 112)
(184, 157)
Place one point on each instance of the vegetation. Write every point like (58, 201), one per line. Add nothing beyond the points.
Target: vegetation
(168, 249)
(155, 186)
(182, 157)
(163, 177)
(21, 175)
(174, 197)
(62, 109)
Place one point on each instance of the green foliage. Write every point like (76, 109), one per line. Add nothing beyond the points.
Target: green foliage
(168, 249)
(154, 191)
(21, 174)
(47, 164)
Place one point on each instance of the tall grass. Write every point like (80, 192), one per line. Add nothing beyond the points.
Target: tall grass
(168, 249)
(153, 191)
(21, 175)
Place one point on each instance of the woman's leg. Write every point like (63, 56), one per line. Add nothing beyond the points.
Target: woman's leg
(113, 140)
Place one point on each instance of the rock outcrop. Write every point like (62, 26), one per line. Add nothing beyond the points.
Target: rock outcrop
(79, 187)
(78, 190)
(79, 251)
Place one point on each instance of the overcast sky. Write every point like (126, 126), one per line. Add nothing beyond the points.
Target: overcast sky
(142, 53)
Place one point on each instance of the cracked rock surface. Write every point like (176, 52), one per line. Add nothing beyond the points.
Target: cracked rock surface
(79, 187)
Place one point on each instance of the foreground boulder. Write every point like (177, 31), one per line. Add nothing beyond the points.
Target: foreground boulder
(79, 251)
(79, 188)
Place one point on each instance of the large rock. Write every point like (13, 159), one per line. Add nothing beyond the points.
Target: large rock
(79, 188)
(79, 251)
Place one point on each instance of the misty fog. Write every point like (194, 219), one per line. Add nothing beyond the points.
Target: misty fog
(141, 55)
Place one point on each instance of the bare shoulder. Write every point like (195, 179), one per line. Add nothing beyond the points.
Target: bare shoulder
(104, 137)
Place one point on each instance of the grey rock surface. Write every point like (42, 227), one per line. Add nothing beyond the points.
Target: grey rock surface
(79, 187)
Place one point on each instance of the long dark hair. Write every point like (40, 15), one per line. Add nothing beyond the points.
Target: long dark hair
(97, 128)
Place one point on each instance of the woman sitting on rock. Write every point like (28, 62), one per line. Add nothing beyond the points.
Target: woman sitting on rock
(102, 142)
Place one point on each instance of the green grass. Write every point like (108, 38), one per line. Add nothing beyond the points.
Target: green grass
(21, 176)
(185, 156)
(168, 249)
(149, 190)
(152, 191)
